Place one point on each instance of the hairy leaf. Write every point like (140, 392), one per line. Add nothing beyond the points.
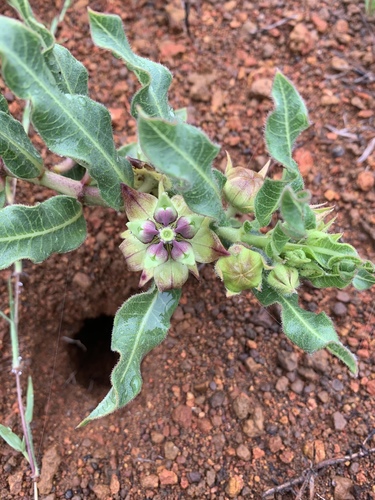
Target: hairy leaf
(70, 75)
(185, 154)
(267, 200)
(307, 330)
(278, 241)
(286, 122)
(19, 155)
(13, 440)
(107, 32)
(293, 210)
(140, 325)
(56, 225)
(364, 280)
(71, 125)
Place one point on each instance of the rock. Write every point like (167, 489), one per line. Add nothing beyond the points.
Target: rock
(50, 464)
(151, 481)
(305, 160)
(170, 450)
(358, 103)
(210, 477)
(370, 387)
(297, 386)
(249, 27)
(342, 297)
(282, 384)
(234, 486)
(339, 421)
(275, 444)
(167, 477)
(176, 16)
(323, 396)
(287, 360)
(329, 100)
(251, 365)
(194, 477)
(243, 452)
(182, 415)
(204, 425)
(82, 280)
(254, 427)
(200, 90)
(287, 456)
(170, 49)
(101, 491)
(343, 487)
(320, 24)
(339, 309)
(15, 483)
(218, 440)
(268, 50)
(241, 406)
(339, 64)
(365, 180)
(261, 87)
(157, 437)
(217, 399)
(318, 361)
(301, 40)
(114, 485)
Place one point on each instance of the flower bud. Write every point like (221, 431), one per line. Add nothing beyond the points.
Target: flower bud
(242, 186)
(283, 279)
(242, 270)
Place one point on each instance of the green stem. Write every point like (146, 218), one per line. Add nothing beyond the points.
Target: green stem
(237, 236)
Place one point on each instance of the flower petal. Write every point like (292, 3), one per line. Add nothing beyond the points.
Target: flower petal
(182, 252)
(134, 251)
(170, 275)
(156, 254)
(138, 205)
(146, 275)
(188, 226)
(206, 244)
(165, 212)
(145, 231)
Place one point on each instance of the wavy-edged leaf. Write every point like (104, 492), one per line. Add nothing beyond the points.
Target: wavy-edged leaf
(13, 440)
(267, 200)
(278, 241)
(71, 125)
(326, 251)
(185, 154)
(55, 226)
(108, 33)
(286, 122)
(18, 153)
(364, 280)
(307, 330)
(70, 75)
(293, 208)
(141, 324)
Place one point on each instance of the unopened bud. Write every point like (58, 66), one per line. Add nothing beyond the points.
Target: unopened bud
(283, 279)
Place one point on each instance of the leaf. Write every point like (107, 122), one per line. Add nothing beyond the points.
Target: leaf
(278, 241)
(70, 75)
(364, 280)
(293, 211)
(12, 439)
(56, 225)
(267, 200)
(326, 251)
(286, 122)
(307, 330)
(4, 104)
(71, 125)
(19, 155)
(107, 32)
(140, 325)
(185, 154)
(29, 401)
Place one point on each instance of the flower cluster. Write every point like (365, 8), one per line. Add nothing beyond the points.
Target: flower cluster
(165, 239)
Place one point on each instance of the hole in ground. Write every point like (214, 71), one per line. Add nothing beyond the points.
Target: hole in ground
(91, 355)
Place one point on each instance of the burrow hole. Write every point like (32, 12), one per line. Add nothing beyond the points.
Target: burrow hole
(90, 352)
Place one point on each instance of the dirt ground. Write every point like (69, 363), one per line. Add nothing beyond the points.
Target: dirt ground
(229, 408)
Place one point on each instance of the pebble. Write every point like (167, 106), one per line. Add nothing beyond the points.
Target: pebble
(157, 437)
(339, 64)
(261, 87)
(182, 415)
(241, 406)
(194, 477)
(217, 399)
(151, 481)
(254, 427)
(50, 464)
(297, 386)
(365, 180)
(337, 385)
(339, 309)
(287, 360)
(251, 365)
(275, 444)
(243, 452)
(323, 396)
(339, 421)
(318, 361)
(282, 384)
(167, 477)
(82, 280)
(234, 486)
(210, 477)
(170, 450)
(343, 487)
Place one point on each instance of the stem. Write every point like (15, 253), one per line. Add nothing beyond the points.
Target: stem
(238, 235)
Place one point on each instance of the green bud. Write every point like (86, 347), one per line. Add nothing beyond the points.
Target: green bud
(242, 270)
(283, 279)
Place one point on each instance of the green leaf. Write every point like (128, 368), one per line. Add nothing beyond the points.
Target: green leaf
(286, 122)
(29, 401)
(140, 325)
(364, 280)
(307, 330)
(24, 10)
(267, 200)
(4, 104)
(185, 154)
(70, 75)
(293, 210)
(19, 155)
(71, 125)
(56, 225)
(278, 241)
(326, 251)
(107, 32)
(12, 439)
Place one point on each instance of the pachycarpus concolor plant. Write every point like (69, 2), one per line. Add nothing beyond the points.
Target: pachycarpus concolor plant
(261, 234)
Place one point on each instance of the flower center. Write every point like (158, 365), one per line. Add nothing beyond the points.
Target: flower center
(167, 234)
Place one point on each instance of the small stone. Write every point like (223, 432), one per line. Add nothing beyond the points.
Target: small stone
(15, 483)
(157, 437)
(170, 450)
(343, 487)
(301, 40)
(82, 280)
(297, 386)
(370, 387)
(287, 456)
(339, 309)
(268, 50)
(167, 477)
(50, 464)
(365, 180)
(234, 486)
(210, 477)
(182, 415)
(261, 87)
(339, 421)
(217, 399)
(171, 49)
(339, 64)
(114, 485)
(249, 27)
(151, 481)
(323, 396)
(329, 100)
(320, 452)
(318, 361)
(305, 160)
(258, 453)
(342, 297)
(337, 385)
(287, 360)
(243, 452)
(251, 365)
(358, 103)
(101, 491)
(194, 477)
(282, 384)
(218, 440)
(275, 444)
(320, 24)
(254, 427)
(241, 406)
(204, 425)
